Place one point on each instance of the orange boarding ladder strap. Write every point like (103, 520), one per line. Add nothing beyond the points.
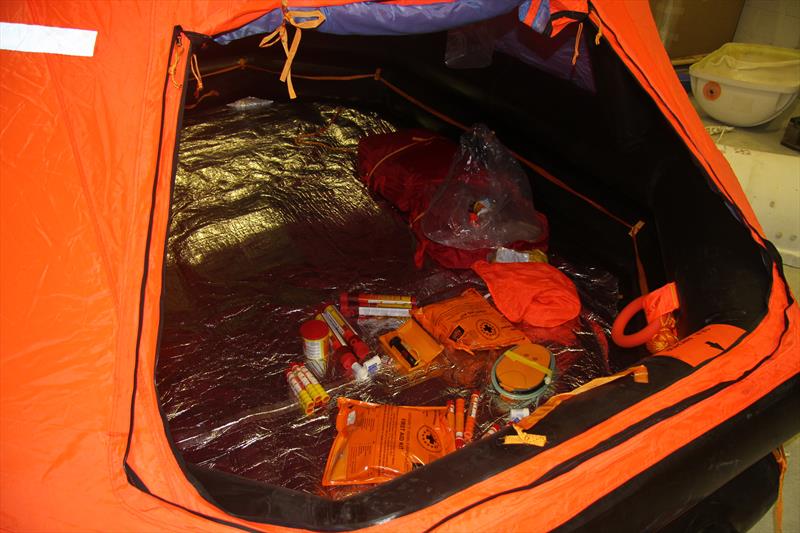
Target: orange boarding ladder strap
(301, 20)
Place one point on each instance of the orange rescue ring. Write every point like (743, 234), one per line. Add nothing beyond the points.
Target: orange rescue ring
(641, 336)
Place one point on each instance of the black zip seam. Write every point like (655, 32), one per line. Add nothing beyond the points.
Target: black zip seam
(176, 31)
(133, 478)
(194, 40)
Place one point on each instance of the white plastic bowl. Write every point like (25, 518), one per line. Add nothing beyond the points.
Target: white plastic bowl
(746, 84)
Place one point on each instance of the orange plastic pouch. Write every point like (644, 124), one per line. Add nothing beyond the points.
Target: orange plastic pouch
(468, 322)
(420, 348)
(376, 443)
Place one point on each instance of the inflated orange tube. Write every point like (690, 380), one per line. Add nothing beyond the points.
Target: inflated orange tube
(635, 339)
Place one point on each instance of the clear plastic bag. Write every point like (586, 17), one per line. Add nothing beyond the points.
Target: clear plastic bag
(469, 46)
(486, 200)
(249, 102)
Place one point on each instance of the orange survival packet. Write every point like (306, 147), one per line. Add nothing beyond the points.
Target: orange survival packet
(468, 322)
(376, 443)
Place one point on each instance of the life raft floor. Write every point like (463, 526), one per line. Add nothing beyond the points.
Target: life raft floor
(267, 223)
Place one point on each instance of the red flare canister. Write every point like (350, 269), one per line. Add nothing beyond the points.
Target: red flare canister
(316, 347)
(363, 304)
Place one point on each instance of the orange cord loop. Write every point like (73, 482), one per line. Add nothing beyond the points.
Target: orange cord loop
(577, 51)
(173, 68)
(197, 76)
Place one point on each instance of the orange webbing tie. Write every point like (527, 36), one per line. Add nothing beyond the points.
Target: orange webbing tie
(281, 34)
(577, 50)
(525, 438)
(783, 463)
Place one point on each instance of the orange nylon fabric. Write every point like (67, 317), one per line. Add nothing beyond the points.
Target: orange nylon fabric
(538, 294)
(79, 157)
(661, 301)
(561, 13)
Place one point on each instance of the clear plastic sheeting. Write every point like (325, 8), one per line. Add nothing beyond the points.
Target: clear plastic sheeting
(486, 200)
(269, 221)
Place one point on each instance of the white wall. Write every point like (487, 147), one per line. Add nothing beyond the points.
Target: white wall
(772, 185)
(775, 22)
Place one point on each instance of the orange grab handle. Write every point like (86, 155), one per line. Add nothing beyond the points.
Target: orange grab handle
(635, 339)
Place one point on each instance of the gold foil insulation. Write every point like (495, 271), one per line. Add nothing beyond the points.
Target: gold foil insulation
(268, 222)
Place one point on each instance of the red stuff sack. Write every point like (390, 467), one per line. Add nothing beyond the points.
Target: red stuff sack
(407, 168)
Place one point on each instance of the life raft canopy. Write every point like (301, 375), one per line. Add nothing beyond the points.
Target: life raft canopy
(167, 298)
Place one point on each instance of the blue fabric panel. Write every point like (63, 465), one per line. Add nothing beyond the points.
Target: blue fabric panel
(372, 18)
(542, 17)
(542, 14)
(523, 10)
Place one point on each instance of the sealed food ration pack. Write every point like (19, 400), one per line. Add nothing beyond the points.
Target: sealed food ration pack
(376, 443)
(468, 322)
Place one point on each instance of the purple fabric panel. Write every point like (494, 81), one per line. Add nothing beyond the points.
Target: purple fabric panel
(550, 54)
(385, 19)
(264, 24)
(371, 18)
